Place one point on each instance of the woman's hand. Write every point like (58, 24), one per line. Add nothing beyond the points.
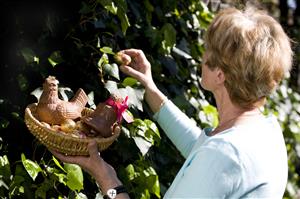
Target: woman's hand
(88, 163)
(139, 67)
(103, 173)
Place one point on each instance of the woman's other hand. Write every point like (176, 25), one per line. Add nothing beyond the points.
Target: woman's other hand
(103, 172)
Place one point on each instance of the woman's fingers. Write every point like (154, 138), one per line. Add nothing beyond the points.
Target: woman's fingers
(137, 56)
(131, 71)
(132, 52)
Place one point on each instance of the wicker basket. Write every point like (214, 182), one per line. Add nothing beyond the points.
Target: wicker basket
(62, 142)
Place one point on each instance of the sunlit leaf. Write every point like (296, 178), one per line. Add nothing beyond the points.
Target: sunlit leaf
(169, 34)
(81, 196)
(142, 144)
(135, 96)
(65, 93)
(31, 167)
(74, 177)
(107, 50)
(62, 178)
(55, 58)
(3, 123)
(111, 86)
(16, 187)
(212, 114)
(103, 60)
(130, 172)
(36, 59)
(91, 99)
(112, 8)
(5, 171)
(124, 20)
(154, 130)
(58, 164)
(112, 70)
(129, 81)
(37, 93)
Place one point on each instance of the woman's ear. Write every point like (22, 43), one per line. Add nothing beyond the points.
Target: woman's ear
(220, 76)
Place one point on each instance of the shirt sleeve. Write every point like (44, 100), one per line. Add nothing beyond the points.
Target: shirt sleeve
(209, 174)
(181, 130)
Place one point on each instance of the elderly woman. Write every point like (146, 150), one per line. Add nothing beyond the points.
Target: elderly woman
(247, 54)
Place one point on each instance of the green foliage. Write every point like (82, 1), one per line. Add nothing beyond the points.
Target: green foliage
(77, 46)
(31, 167)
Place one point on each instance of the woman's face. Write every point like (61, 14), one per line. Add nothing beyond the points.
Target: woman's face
(208, 75)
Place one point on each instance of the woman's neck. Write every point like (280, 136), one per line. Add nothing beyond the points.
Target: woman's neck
(229, 113)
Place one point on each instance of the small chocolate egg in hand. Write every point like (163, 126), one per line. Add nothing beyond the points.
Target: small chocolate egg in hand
(68, 125)
(122, 58)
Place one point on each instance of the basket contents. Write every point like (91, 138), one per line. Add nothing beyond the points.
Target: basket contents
(67, 126)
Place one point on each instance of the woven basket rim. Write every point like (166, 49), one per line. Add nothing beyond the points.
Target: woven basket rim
(29, 117)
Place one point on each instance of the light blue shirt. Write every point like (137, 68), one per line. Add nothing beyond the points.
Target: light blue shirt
(245, 161)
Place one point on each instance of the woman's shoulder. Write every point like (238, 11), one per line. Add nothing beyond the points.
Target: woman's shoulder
(250, 140)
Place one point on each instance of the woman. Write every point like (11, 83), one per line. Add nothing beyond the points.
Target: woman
(247, 54)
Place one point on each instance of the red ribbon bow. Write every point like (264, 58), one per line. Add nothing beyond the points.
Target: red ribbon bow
(120, 107)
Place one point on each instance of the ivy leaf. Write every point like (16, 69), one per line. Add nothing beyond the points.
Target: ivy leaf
(124, 20)
(129, 81)
(3, 123)
(61, 178)
(111, 86)
(58, 164)
(91, 100)
(145, 134)
(31, 167)
(55, 58)
(37, 93)
(4, 168)
(74, 177)
(135, 96)
(42, 189)
(16, 186)
(81, 196)
(103, 60)
(112, 8)
(152, 131)
(119, 10)
(169, 35)
(107, 50)
(130, 172)
(142, 144)
(66, 93)
(152, 181)
(211, 114)
(112, 70)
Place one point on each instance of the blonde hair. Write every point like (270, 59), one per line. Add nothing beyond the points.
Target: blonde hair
(252, 50)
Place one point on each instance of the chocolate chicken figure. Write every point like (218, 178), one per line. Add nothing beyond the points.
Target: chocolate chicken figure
(53, 110)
